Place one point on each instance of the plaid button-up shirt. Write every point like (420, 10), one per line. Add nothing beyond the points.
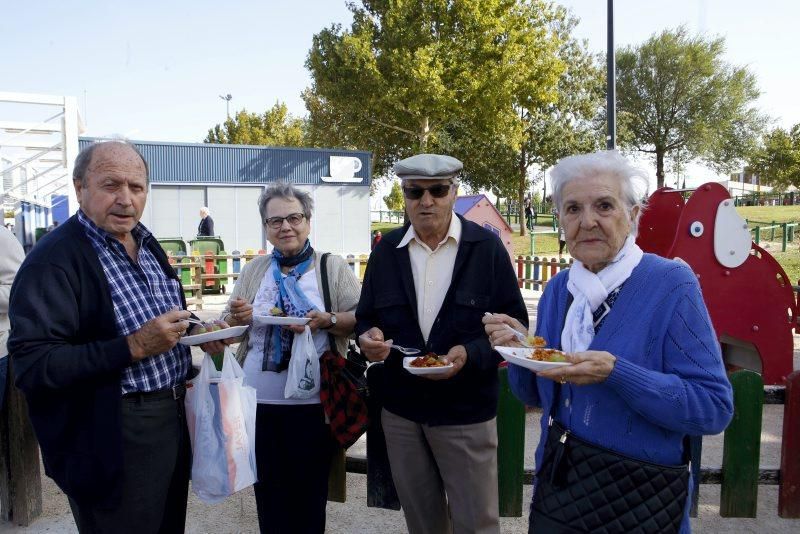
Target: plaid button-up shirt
(140, 291)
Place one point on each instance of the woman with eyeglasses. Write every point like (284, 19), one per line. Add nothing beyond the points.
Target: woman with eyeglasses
(294, 445)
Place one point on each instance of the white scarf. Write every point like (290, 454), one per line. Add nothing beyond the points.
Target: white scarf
(590, 290)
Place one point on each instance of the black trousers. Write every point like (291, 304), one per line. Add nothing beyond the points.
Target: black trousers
(294, 448)
(157, 465)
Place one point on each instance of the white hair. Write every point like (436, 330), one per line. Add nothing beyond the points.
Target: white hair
(634, 183)
(205, 210)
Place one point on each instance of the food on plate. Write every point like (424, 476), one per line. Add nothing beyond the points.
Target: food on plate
(548, 355)
(276, 312)
(536, 341)
(208, 327)
(429, 360)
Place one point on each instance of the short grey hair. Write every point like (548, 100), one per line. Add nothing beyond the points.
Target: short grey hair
(634, 183)
(204, 209)
(84, 159)
(285, 191)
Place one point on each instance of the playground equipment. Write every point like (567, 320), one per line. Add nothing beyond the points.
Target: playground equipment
(750, 299)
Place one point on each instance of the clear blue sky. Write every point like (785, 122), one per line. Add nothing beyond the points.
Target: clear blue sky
(155, 70)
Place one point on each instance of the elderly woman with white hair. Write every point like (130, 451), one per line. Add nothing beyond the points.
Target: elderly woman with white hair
(644, 369)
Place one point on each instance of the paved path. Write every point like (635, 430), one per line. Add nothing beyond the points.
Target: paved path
(238, 514)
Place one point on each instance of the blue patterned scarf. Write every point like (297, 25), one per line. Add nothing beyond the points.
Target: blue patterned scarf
(290, 299)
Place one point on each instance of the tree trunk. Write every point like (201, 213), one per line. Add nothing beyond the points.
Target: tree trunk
(521, 192)
(20, 479)
(659, 168)
(424, 133)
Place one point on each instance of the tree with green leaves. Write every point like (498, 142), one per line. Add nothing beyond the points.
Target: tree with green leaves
(394, 200)
(570, 123)
(405, 72)
(777, 161)
(677, 96)
(274, 127)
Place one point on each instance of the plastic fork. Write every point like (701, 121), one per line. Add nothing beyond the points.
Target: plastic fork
(407, 352)
(523, 338)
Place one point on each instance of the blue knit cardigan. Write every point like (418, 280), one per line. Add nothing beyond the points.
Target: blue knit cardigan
(668, 380)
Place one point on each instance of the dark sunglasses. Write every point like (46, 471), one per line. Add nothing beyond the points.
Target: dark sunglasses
(436, 191)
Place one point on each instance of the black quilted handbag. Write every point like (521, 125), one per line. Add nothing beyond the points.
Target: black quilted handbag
(582, 487)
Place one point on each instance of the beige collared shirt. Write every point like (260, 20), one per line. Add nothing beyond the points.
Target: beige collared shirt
(432, 271)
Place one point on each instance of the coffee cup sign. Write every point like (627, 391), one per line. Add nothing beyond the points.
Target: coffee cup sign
(343, 169)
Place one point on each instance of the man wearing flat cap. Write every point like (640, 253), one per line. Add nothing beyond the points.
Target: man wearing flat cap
(426, 286)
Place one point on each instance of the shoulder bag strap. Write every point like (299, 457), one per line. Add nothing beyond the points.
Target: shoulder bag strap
(326, 294)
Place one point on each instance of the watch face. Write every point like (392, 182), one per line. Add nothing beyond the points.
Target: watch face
(333, 318)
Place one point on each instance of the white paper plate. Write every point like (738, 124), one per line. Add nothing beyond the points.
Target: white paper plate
(225, 333)
(421, 371)
(272, 319)
(520, 356)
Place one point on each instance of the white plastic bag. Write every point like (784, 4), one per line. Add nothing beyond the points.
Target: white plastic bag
(302, 381)
(221, 415)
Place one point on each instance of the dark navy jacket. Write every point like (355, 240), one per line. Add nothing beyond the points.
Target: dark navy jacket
(483, 280)
(68, 358)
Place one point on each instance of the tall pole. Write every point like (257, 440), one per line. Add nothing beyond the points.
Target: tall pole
(611, 78)
(227, 98)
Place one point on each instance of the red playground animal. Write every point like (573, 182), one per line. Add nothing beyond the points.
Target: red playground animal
(750, 299)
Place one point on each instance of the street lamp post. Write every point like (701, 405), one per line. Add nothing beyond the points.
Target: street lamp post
(227, 98)
(611, 92)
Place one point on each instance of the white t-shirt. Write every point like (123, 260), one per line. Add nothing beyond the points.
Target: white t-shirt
(270, 385)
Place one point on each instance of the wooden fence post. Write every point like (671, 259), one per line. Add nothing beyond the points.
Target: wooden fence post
(20, 478)
(337, 477)
(198, 280)
(784, 230)
(519, 270)
(536, 263)
(510, 448)
(528, 262)
(741, 448)
(186, 276)
(236, 264)
(789, 490)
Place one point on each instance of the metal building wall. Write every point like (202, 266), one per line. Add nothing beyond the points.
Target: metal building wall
(229, 178)
(241, 164)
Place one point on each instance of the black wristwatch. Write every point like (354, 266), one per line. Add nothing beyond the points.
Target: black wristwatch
(333, 321)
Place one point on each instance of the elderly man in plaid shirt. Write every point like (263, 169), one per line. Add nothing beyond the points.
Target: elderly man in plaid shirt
(96, 314)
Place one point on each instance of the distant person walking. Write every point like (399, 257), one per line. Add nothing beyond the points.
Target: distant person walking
(562, 240)
(528, 213)
(206, 227)
(376, 238)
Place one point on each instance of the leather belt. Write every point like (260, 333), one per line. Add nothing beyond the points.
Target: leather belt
(176, 392)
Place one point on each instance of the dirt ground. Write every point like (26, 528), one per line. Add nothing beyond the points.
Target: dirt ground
(237, 514)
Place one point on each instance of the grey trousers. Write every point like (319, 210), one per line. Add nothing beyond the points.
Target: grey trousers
(157, 465)
(446, 476)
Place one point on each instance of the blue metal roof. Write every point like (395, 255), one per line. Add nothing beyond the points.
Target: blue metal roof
(466, 202)
(207, 163)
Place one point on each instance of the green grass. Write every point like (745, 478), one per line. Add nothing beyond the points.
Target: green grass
(385, 226)
(767, 214)
(790, 261)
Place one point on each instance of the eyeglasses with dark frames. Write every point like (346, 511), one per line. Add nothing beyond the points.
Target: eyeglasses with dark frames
(436, 191)
(294, 219)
